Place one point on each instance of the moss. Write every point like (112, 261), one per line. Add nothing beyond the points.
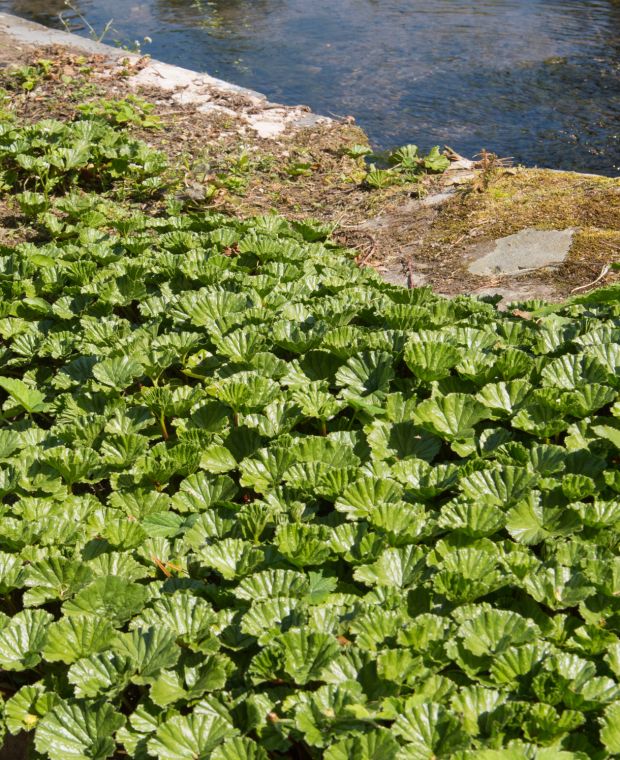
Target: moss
(511, 200)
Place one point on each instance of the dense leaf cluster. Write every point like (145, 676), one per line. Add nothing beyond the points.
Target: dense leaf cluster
(257, 501)
(52, 156)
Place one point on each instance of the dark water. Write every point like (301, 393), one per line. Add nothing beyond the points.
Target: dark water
(538, 80)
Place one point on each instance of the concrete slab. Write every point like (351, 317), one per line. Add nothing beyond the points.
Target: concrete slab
(527, 250)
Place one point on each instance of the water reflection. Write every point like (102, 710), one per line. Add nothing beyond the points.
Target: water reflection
(43, 12)
(535, 79)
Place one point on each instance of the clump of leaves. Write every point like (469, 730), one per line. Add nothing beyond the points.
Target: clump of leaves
(260, 503)
(29, 77)
(405, 165)
(51, 157)
(130, 110)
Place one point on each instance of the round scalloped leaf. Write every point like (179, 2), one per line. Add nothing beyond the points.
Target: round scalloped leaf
(610, 728)
(491, 631)
(501, 486)
(200, 491)
(54, 578)
(367, 372)
(303, 545)
(110, 597)
(504, 397)
(231, 557)
(118, 373)
(190, 737)
(399, 567)
(452, 417)
(76, 729)
(28, 398)
(149, 649)
(22, 638)
(432, 360)
(378, 744)
(239, 748)
(429, 730)
(24, 710)
(104, 673)
(307, 653)
(362, 496)
(190, 617)
(71, 638)
(245, 391)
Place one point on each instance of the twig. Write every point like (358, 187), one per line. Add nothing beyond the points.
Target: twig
(410, 278)
(368, 256)
(604, 272)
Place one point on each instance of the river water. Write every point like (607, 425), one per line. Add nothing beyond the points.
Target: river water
(536, 80)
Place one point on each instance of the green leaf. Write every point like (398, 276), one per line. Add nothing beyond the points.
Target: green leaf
(431, 360)
(231, 557)
(395, 567)
(22, 638)
(150, 650)
(118, 373)
(361, 497)
(429, 731)
(499, 486)
(609, 433)
(610, 728)
(24, 710)
(30, 399)
(303, 545)
(452, 417)
(378, 744)
(99, 674)
(525, 522)
(190, 737)
(109, 597)
(200, 491)
(75, 730)
(189, 617)
(71, 638)
(306, 654)
(368, 372)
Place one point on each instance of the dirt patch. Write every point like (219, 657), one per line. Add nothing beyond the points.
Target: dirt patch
(415, 233)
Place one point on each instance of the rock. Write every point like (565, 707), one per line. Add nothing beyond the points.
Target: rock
(524, 251)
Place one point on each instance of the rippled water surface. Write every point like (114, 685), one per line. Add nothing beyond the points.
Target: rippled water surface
(538, 80)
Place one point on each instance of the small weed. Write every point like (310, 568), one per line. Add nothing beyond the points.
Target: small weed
(29, 77)
(358, 151)
(300, 169)
(405, 165)
(379, 179)
(129, 110)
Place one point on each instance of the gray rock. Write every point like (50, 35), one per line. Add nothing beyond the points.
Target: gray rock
(524, 251)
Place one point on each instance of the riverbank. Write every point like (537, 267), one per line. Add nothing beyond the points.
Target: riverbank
(232, 150)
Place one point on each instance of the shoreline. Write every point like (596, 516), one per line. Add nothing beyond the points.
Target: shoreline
(431, 232)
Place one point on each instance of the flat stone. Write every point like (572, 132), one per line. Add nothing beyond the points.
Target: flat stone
(524, 251)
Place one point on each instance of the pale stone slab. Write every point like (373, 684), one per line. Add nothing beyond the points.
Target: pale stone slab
(525, 251)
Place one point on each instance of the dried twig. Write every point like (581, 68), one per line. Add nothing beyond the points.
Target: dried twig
(410, 276)
(604, 272)
(368, 256)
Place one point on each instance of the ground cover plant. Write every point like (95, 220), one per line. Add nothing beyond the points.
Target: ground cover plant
(258, 503)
